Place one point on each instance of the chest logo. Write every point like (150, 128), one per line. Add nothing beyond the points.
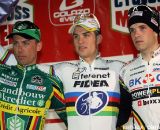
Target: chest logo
(91, 103)
(148, 78)
(15, 123)
(37, 79)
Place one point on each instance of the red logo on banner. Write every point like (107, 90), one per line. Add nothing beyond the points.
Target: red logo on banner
(62, 12)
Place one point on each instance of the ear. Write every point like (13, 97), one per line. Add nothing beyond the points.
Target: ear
(99, 39)
(39, 46)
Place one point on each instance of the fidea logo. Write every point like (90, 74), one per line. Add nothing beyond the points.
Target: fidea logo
(63, 12)
(119, 12)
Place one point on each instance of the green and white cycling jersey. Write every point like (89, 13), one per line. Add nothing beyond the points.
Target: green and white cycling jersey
(26, 93)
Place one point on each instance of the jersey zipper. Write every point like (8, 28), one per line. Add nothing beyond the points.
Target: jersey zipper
(149, 71)
(90, 81)
(19, 94)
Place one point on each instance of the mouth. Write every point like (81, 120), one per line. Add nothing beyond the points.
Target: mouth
(21, 57)
(82, 48)
(138, 41)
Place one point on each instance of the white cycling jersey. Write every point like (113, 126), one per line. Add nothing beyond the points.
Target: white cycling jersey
(142, 80)
(92, 93)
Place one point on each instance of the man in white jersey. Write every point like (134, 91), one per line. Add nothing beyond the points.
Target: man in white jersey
(141, 76)
(91, 85)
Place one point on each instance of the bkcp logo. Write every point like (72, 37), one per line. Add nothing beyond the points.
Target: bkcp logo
(62, 12)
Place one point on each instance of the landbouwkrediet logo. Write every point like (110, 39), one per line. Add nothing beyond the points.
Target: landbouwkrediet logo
(63, 12)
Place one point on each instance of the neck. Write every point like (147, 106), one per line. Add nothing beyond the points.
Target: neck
(89, 60)
(147, 55)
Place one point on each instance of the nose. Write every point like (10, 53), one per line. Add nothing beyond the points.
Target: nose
(80, 40)
(19, 47)
(136, 33)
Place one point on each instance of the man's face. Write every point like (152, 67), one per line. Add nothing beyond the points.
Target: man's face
(144, 38)
(85, 43)
(25, 50)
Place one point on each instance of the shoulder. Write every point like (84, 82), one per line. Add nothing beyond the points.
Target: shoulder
(112, 65)
(106, 61)
(5, 67)
(128, 66)
(44, 68)
(130, 63)
(48, 71)
(64, 65)
(115, 64)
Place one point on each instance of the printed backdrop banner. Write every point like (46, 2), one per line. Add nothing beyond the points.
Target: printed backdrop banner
(54, 18)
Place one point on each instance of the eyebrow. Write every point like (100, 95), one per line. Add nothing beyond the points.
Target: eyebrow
(82, 33)
(141, 25)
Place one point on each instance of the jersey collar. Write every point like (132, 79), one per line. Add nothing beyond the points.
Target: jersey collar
(82, 60)
(27, 67)
(154, 54)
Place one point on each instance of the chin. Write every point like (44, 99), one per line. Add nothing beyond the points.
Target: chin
(22, 63)
(82, 56)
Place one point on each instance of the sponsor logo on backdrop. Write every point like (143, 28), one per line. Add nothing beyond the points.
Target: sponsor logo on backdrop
(75, 4)
(119, 12)
(63, 12)
(23, 11)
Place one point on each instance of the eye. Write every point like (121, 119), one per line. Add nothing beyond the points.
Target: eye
(131, 30)
(143, 27)
(86, 34)
(26, 42)
(75, 36)
(15, 43)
